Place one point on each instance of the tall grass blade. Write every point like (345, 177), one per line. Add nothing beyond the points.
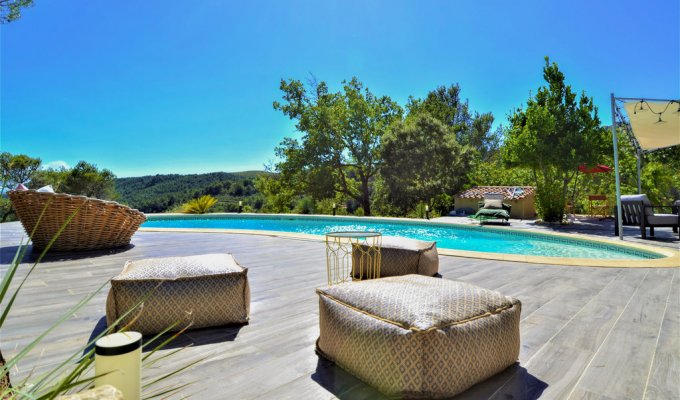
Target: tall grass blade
(60, 321)
(168, 391)
(42, 255)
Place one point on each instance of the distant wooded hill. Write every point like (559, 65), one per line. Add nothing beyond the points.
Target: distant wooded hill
(163, 193)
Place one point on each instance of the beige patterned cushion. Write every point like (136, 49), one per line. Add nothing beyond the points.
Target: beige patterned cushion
(418, 337)
(402, 256)
(493, 204)
(205, 290)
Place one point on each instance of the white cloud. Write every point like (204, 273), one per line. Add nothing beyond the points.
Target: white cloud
(57, 164)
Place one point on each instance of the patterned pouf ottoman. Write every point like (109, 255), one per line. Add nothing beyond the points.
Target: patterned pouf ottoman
(205, 290)
(418, 337)
(402, 256)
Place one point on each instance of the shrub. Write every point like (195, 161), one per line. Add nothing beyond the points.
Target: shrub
(418, 211)
(200, 205)
(325, 206)
(304, 206)
(441, 204)
(550, 202)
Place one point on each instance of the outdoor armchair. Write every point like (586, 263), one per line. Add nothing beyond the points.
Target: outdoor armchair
(637, 210)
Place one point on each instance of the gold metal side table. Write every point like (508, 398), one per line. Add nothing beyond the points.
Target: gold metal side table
(352, 256)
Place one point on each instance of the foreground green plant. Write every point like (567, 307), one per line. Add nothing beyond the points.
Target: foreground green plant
(200, 205)
(75, 373)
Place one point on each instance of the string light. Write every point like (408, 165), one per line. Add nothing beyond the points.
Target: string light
(642, 102)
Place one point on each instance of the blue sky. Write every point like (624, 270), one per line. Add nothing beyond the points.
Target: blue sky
(187, 87)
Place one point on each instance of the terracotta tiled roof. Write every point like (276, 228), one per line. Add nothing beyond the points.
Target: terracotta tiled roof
(510, 192)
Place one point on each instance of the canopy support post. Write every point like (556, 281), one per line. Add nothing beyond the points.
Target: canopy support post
(618, 215)
(639, 171)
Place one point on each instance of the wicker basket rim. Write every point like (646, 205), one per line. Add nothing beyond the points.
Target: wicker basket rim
(72, 196)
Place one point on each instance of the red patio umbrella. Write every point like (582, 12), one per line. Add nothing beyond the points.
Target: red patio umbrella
(583, 168)
(594, 170)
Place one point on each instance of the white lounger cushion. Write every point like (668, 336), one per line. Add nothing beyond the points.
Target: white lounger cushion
(662, 219)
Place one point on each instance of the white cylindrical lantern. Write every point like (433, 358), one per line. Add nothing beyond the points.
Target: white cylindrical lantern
(240, 203)
(118, 359)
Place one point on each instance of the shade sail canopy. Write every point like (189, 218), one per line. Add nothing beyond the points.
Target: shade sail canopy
(653, 130)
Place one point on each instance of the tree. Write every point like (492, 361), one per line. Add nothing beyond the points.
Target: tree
(422, 161)
(87, 180)
(237, 189)
(444, 103)
(660, 175)
(5, 159)
(492, 172)
(341, 134)
(10, 10)
(49, 176)
(278, 196)
(554, 135)
(16, 169)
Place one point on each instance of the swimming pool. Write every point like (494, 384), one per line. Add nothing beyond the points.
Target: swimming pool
(448, 236)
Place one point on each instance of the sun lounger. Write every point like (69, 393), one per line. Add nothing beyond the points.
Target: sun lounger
(492, 208)
(96, 224)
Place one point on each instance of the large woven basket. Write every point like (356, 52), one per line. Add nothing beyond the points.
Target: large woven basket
(98, 224)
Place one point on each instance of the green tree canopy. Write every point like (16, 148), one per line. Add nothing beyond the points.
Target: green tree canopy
(341, 135)
(16, 169)
(422, 161)
(87, 180)
(474, 130)
(278, 195)
(49, 176)
(10, 10)
(660, 175)
(492, 172)
(552, 136)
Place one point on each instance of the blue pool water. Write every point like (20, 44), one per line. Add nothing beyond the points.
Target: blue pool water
(447, 236)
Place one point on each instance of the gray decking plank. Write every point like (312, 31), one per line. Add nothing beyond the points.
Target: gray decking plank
(620, 367)
(550, 348)
(567, 313)
(664, 375)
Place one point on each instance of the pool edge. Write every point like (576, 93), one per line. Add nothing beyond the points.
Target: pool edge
(671, 258)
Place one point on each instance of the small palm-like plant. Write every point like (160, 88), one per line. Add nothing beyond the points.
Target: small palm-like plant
(200, 205)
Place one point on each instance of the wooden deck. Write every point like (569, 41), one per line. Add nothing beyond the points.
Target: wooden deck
(586, 332)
